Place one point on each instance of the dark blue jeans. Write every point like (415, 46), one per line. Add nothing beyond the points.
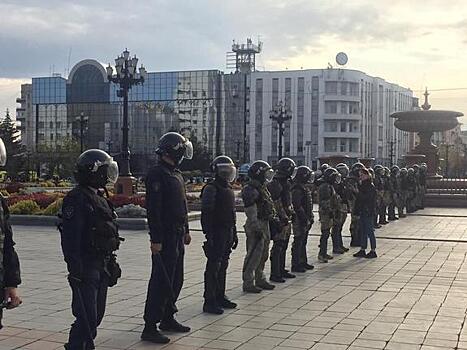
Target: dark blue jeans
(367, 230)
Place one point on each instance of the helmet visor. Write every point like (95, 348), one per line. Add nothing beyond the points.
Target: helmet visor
(188, 150)
(2, 153)
(294, 172)
(112, 171)
(269, 175)
(228, 172)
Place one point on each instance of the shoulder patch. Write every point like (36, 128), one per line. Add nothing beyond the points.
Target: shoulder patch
(68, 212)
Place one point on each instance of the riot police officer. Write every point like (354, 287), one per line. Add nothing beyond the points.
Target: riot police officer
(328, 209)
(402, 192)
(259, 210)
(411, 190)
(218, 222)
(352, 186)
(302, 201)
(394, 194)
(9, 262)
(280, 190)
(343, 195)
(423, 174)
(379, 183)
(167, 214)
(89, 238)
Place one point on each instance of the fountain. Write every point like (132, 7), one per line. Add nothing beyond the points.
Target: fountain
(425, 123)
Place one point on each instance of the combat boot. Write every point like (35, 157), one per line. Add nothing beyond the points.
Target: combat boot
(152, 334)
(322, 259)
(287, 274)
(172, 325)
(211, 308)
(299, 269)
(308, 266)
(227, 304)
(265, 285)
(277, 279)
(252, 289)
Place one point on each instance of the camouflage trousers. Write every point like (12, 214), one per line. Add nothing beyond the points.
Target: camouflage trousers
(338, 224)
(257, 253)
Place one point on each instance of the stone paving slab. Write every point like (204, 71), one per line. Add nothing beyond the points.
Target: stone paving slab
(412, 297)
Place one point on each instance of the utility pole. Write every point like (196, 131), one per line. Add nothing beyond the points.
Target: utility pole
(280, 115)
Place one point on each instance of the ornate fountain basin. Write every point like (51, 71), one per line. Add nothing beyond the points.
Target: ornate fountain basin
(426, 121)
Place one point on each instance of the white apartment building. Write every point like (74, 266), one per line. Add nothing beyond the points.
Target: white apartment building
(334, 111)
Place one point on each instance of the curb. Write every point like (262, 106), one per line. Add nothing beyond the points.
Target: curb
(136, 224)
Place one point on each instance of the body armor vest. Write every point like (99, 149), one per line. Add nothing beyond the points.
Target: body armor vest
(307, 199)
(224, 211)
(264, 203)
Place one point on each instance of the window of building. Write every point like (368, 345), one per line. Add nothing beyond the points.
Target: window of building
(344, 107)
(331, 87)
(51, 137)
(343, 88)
(353, 87)
(41, 125)
(343, 126)
(330, 107)
(343, 145)
(353, 108)
(330, 126)
(353, 145)
(330, 144)
(380, 133)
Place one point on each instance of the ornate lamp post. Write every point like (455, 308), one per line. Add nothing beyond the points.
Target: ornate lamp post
(126, 76)
(280, 114)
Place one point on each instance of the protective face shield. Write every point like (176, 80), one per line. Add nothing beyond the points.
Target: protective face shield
(2, 153)
(228, 172)
(269, 175)
(338, 179)
(111, 168)
(188, 150)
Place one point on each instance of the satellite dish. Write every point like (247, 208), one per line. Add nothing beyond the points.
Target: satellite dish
(341, 58)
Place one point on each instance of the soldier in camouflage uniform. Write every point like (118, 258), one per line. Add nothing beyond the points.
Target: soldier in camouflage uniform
(302, 200)
(423, 171)
(328, 210)
(351, 183)
(280, 190)
(402, 192)
(259, 210)
(393, 194)
(411, 191)
(387, 198)
(380, 217)
(343, 195)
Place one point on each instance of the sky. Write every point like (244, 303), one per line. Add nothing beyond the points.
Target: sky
(414, 43)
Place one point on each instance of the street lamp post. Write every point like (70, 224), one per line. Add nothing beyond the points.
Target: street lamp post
(82, 124)
(280, 115)
(126, 76)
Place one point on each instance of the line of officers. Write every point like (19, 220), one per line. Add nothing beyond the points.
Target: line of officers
(277, 200)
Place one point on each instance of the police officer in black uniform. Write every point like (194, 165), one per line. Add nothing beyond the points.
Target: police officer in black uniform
(218, 220)
(168, 230)
(280, 189)
(9, 262)
(89, 237)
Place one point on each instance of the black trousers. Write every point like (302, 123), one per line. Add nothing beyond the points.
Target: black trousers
(89, 297)
(166, 281)
(217, 250)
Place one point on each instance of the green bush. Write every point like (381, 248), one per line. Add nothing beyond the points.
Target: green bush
(53, 208)
(27, 207)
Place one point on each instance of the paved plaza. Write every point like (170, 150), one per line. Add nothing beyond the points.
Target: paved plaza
(414, 296)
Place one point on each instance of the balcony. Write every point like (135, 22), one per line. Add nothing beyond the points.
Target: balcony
(20, 100)
(340, 97)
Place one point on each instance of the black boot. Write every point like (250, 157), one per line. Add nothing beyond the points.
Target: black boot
(226, 303)
(212, 308)
(152, 334)
(171, 325)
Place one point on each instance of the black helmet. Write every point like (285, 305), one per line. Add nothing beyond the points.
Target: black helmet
(343, 169)
(224, 168)
(323, 167)
(95, 168)
(331, 175)
(372, 172)
(357, 166)
(285, 167)
(404, 172)
(303, 175)
(410, 171)
(175, 146)
(416, 168)
(261, 171)
(395, 170)
(379, 169)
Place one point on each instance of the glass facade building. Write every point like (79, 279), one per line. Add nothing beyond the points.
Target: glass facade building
(188, 102)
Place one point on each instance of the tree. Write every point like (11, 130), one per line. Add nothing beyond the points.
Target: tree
(16, 152)
(201, 157)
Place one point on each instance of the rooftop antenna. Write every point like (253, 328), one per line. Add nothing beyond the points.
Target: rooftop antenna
(242, 58)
